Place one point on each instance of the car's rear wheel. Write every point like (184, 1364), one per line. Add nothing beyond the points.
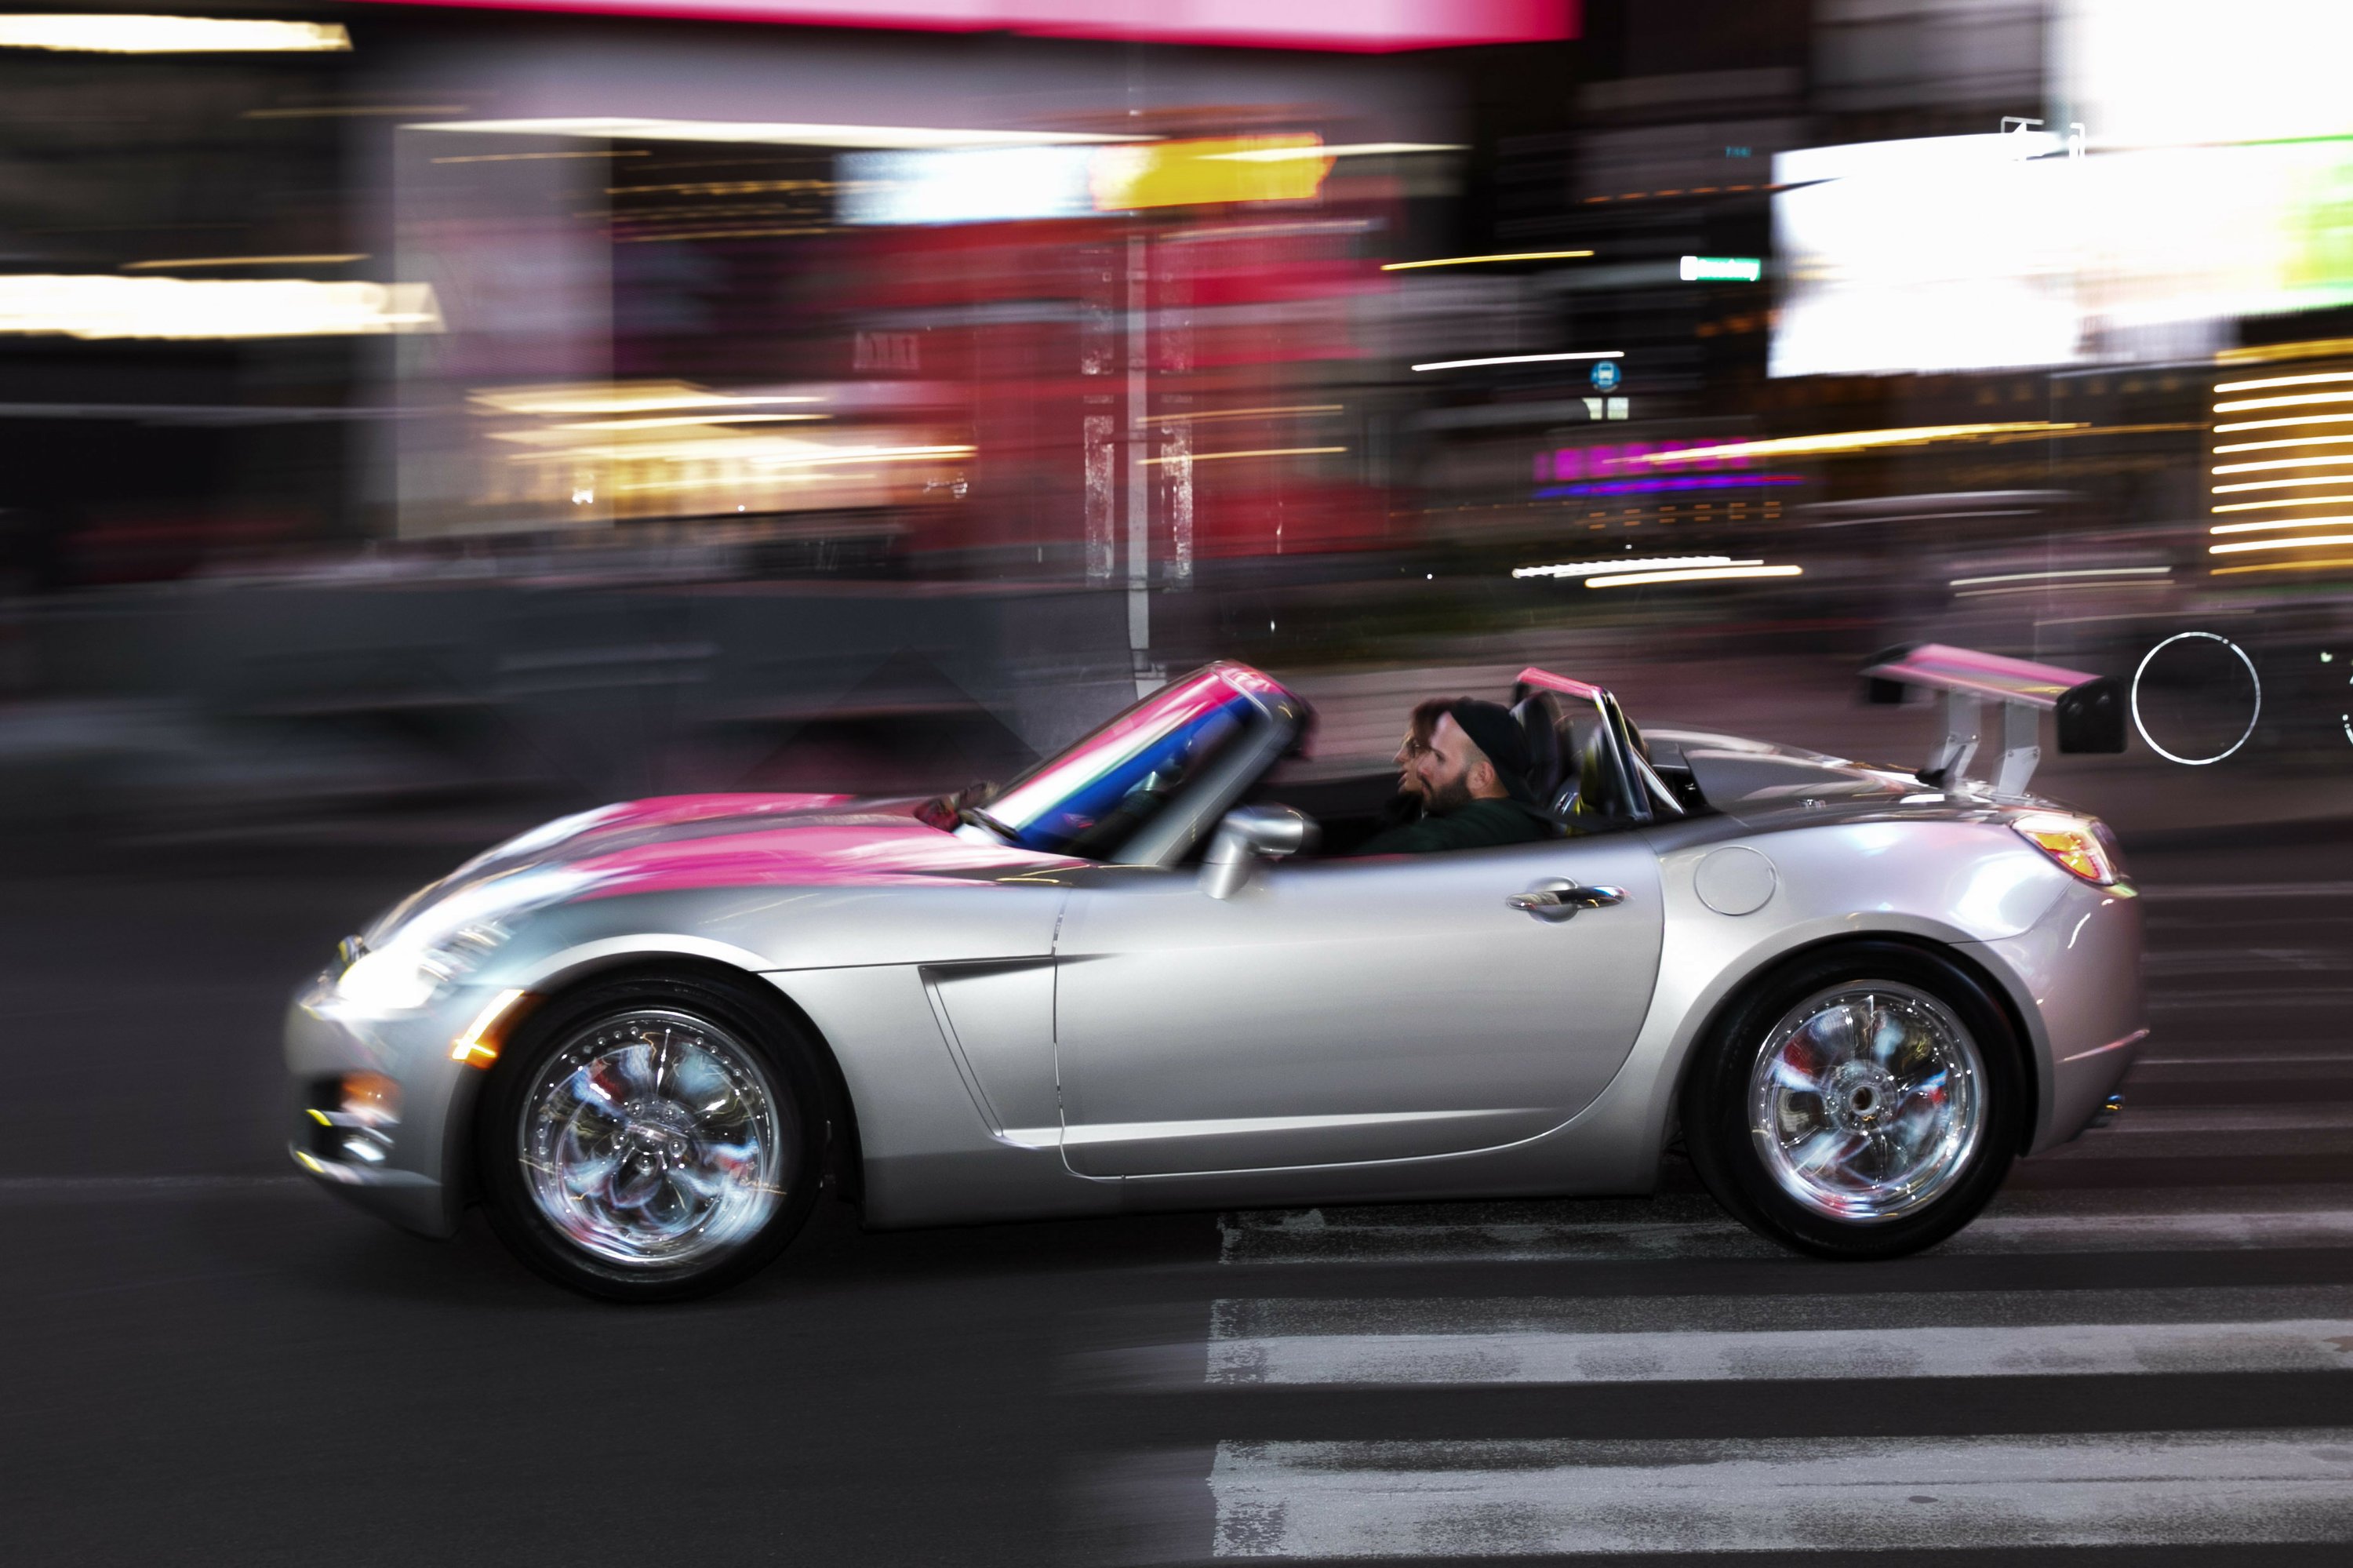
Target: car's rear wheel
(651, 1138)
(1865, 1102)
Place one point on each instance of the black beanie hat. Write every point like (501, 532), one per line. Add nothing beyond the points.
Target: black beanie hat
(1494, 730)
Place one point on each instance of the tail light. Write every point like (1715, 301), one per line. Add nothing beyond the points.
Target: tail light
(2079, 844)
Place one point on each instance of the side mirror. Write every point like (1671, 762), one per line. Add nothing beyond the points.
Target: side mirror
(1249, 833)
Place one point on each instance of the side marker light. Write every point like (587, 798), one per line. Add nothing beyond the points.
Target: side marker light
(478, 1045)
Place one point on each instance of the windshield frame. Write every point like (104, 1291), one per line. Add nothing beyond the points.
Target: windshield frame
(1272, 718)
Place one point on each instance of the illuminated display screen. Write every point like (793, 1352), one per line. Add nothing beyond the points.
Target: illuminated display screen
(1994, 251)
(1349, 26)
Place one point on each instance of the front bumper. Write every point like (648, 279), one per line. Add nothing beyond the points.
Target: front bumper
(418, 1179)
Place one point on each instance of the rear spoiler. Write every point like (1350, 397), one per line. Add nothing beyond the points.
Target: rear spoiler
(2089, 709)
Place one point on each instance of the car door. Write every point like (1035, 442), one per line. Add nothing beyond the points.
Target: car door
(1346, 1011)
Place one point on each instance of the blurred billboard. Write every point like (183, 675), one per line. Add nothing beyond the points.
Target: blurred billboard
(1297, 23)
(2203, 176)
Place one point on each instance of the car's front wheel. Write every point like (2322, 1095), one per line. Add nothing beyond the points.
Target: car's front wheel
(1863, 1103)
(651, 1138)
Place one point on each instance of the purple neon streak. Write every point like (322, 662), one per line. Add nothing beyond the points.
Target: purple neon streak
(1687, 482)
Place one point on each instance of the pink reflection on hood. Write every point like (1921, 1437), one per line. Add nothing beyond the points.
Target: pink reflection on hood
(663, 810)
(867, 851)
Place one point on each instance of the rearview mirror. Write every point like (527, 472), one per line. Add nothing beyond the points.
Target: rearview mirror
(1251, 833)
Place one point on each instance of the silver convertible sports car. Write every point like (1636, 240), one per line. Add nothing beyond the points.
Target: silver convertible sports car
(1148, 974)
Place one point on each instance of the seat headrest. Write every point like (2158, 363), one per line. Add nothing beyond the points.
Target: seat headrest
(1545, 762)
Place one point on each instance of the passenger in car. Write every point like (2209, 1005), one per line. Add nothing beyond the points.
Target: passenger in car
(1406, 805)
(1472, 779)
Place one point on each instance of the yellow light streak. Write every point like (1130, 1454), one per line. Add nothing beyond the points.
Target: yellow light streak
(1695, 575)
(674, 421)
(2283, 567)
(1482, 261)
(2302, 400)
(2268, 354)
(2271, 381)
(2278, 484)
(2268, 463)
(2276, 525)
(621, 397)
(1853, 440)
(2282, 500)
(1245, 413)
(181, 262)
(2283, 424)
(1253, 453)
(169, 35)
(2291, 441)
(2246, 544)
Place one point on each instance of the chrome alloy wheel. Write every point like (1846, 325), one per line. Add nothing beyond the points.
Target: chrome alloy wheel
(652, 1139)
(1867, 1100)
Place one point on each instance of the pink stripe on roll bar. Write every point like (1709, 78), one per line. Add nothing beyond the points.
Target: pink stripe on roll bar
(1532, 676)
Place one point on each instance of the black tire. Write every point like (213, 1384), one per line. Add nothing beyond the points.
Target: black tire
(749, 1053)
(1730, 1150)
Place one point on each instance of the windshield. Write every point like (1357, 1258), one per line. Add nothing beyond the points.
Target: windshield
(1092, 798)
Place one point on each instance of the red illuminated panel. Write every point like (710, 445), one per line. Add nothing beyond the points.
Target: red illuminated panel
(1357, 26)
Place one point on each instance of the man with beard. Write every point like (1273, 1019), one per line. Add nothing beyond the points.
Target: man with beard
(1472, 780)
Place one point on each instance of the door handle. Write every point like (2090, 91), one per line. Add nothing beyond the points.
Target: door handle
(1562, 900)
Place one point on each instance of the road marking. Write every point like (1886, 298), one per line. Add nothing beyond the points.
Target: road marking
(1513, 1499)
(1532, 1233)
(1812, 1338)
(2168, 892)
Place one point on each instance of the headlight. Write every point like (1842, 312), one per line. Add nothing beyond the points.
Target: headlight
(402, 979)
(2075, 843)
(446, 942)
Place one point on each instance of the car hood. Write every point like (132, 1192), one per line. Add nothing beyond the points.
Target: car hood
(685, 842)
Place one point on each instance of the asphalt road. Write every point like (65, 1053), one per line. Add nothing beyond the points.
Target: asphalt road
(2143, 1352)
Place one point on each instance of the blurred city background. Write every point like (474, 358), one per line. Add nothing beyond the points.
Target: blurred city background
(419, 419)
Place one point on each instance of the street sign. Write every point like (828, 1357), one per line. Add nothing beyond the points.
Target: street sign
(1605, 375)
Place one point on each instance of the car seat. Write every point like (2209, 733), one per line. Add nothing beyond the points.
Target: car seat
(1547, 763)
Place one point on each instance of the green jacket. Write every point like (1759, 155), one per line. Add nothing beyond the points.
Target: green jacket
(1479, 825)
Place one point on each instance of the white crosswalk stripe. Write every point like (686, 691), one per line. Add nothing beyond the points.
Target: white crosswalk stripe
(1312, 1332)
(1505, 1499)
(1704, 1339)
(1671, 1228)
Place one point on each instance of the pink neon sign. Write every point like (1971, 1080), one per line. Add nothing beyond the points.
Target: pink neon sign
(1363, 26)
(1619, 462)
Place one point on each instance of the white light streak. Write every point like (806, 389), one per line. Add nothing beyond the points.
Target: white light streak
(2266, 464)
(2283, 424)
(2277, 524)
(2271, 381)
(2300, 400)
(2291, 441)
(2278, 484)
(1696, 575)
(1520, 359)
(2075, 572)
(105, 306)
(781, 133)
(1655, 563)
(170, 36)
(2304, 543)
